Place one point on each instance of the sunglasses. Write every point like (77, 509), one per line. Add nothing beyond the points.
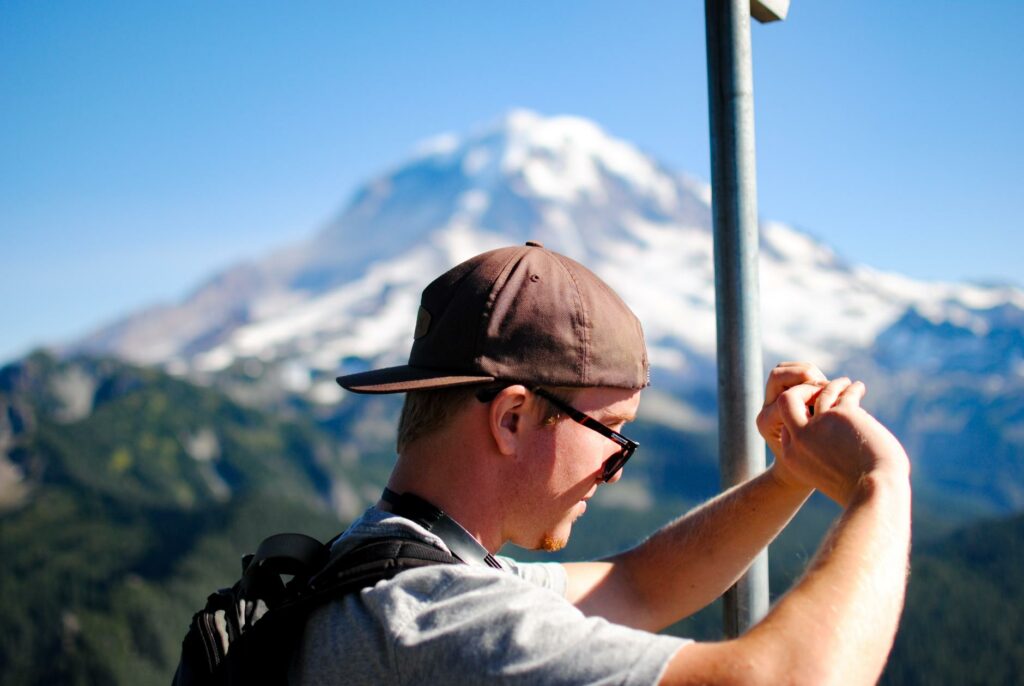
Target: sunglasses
(614, 463)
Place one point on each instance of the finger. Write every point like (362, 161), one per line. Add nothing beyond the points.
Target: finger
(768, 417)
(796, 363)
(852, 395)
(828, 396)
(789, 374)
(769, 425)
(793, 406)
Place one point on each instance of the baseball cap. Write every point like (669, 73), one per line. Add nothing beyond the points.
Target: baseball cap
(519, 314)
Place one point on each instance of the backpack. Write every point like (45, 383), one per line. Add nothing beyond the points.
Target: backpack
(248, 633)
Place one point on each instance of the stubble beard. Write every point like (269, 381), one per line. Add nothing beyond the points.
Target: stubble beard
(550, 544)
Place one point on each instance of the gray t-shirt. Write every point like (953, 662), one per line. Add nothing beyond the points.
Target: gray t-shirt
(463, 624)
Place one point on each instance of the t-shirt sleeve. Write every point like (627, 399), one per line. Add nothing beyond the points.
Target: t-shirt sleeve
(550, 575)
(479, 626)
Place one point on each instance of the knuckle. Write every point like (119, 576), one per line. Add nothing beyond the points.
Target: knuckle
(790, 398)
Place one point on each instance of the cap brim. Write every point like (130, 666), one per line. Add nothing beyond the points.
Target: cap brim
(405, 378)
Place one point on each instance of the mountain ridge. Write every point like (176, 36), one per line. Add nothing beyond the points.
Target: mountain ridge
(559, 180)
(944, 362)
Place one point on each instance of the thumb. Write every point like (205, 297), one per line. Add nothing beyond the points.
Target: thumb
(793, 406)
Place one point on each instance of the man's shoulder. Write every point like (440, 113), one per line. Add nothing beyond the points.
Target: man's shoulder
(446, 592)
(451, 623)
(456, 601)
(446, 595)
(377, 524)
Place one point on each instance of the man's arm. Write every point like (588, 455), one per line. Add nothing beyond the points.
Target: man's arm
(837, 624)
(688, 563)
(693, 560)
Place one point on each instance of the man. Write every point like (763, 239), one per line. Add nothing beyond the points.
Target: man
(508, 346)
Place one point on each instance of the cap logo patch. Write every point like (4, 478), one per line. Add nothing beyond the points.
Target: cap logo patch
(422, 323)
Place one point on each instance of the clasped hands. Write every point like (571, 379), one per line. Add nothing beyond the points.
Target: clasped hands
(820, 435)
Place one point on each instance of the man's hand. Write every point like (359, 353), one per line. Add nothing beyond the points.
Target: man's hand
(829, 442)
(769, 421)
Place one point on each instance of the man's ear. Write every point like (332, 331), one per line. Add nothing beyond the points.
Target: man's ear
(506, 417)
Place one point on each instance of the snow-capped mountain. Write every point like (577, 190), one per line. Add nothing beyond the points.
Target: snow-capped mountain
(945, 361)
(347, 297)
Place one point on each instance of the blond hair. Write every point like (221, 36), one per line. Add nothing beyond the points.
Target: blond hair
(425, 412)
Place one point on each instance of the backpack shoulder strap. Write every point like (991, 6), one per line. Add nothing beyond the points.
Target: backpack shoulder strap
(263, 653)
(290, 554)
(375, 561)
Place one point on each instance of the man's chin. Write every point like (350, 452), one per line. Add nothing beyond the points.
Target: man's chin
(554, 541)
(551, 544)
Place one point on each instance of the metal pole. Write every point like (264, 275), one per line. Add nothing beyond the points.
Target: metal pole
(734, 208)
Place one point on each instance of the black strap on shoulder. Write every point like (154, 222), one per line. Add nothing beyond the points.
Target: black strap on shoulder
(263, 657)
(436, 521)
(263, 652)
(295, 554)
(375, 561)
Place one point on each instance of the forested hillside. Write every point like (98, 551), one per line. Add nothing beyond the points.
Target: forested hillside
(965, 610)
(126, 513)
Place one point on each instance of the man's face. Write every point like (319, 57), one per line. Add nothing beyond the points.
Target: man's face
(565, 462)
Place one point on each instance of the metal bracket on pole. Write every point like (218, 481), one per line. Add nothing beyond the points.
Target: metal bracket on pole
(734, 209)
(769, 10)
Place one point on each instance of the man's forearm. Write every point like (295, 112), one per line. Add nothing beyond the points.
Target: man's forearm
(690, 562)
(837, 624)
(847, 606)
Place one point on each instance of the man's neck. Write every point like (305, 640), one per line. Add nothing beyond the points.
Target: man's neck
(461, 544)
(464, 496)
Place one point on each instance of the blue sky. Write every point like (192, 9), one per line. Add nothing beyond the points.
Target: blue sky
(143, 146)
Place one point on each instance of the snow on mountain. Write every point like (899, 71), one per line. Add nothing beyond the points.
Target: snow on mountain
(346, 299)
